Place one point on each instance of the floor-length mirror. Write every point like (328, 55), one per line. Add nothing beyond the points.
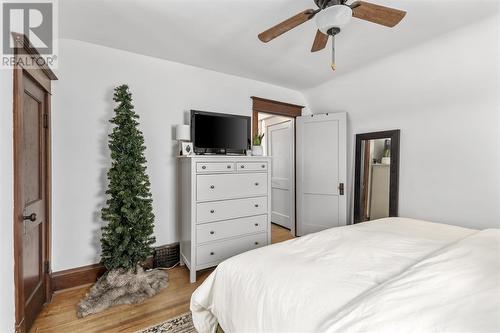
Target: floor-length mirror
(376, 175)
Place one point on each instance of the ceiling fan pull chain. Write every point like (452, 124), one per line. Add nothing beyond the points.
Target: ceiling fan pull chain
(334, 66)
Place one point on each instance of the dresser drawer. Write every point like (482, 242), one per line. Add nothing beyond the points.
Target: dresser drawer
(237, 227)
(229, 186)
(251, 166)
(214, 167)
(230, 209)
(218, 251)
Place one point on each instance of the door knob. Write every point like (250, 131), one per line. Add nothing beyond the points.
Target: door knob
(31, 217)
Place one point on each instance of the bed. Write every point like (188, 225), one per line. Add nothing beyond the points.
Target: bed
(389, 275)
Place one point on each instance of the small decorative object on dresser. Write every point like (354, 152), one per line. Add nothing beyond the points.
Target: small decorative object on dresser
(186, 148)
(257, 145)
(183, 135)
(225, 208)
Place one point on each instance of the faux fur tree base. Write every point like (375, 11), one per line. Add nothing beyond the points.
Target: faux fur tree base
(122, 287)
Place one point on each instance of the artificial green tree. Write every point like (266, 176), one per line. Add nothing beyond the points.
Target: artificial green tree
(127, 238)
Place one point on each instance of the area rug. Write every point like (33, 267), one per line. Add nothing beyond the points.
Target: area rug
(179, 324)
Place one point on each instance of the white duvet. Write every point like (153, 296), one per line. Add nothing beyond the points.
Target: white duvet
(391, 275)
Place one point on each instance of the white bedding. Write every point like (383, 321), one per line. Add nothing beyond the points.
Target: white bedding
(304, 284)
(455, 290)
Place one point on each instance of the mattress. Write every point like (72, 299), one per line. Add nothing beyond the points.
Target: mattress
(316, 283)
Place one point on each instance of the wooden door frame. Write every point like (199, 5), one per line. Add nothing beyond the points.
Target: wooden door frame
(42, 76)
(280, 109)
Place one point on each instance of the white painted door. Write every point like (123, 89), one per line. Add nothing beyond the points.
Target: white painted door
(321, 172)
(280, 146)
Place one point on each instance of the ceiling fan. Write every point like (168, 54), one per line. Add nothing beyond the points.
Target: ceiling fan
(332, 15)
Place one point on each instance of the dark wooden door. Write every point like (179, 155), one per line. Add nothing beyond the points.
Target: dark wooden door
(31, 162)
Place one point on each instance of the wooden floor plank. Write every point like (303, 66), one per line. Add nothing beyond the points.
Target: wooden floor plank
(60, 314)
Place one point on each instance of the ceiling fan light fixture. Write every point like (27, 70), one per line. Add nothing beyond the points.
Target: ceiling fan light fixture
(335, 16)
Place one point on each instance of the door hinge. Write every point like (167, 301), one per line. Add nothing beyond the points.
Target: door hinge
(45, 120)
(46, 267)
(341, 188)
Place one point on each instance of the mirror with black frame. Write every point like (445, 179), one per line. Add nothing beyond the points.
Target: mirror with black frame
(376, 175)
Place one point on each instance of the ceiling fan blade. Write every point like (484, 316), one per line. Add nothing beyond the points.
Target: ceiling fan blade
(319, 41)
(386, 16)
(286, 25)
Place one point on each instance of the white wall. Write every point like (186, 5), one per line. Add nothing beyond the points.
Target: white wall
(163, 94)
(7, 310)
(444, 96)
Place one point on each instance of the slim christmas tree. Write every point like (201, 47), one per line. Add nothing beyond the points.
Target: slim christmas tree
(127, 238)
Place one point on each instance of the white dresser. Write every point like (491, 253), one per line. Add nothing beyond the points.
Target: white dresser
(225, 205)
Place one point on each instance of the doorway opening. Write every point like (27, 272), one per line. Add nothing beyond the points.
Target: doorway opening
(279, 144)
(277, 121)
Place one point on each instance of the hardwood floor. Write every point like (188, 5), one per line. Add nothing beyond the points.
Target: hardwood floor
(279, 234)
(60, 314)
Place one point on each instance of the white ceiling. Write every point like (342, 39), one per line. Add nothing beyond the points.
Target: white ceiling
(221, 35)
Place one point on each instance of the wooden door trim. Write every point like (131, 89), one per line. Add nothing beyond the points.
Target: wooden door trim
(18, 72)
(272, 107)
(23, 46)
(281, 109)
(43, 77)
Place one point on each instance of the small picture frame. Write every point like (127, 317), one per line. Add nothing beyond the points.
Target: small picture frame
(186, 148)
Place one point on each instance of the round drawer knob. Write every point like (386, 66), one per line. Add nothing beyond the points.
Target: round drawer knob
(212, 232)
(256, 205)
(256, 184)
(263, 166)
(204, 167)
(212, 211)
(256, 243)
(212, 253)
(242, 166)
(229, 167)
(212, 187)
(256, 224)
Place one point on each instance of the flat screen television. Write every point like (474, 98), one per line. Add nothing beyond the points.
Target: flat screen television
(219, 133)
